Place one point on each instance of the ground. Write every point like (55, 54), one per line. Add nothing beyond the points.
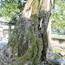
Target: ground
(59, 47)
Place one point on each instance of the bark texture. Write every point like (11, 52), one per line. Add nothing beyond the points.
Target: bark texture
(31, 36)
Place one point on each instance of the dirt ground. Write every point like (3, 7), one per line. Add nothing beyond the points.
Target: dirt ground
(59, 47)
(58, 43)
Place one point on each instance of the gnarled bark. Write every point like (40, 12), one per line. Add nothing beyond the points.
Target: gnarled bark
(31, 36)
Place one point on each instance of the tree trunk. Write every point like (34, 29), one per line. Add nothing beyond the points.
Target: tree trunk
(31, 36)
(9, 33)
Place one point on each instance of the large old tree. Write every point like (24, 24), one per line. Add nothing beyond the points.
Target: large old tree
(31, 36)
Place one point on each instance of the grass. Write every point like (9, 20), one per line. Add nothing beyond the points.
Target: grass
(58, 51)
(56, 57)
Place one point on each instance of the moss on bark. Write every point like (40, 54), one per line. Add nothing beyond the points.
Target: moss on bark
(25, 39)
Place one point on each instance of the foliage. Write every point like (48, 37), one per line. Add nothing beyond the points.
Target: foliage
(56, 57)
(58, 16)
(11, 10)
(15, 17)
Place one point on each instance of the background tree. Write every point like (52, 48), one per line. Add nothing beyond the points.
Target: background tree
(11, 11)
(58, 16)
